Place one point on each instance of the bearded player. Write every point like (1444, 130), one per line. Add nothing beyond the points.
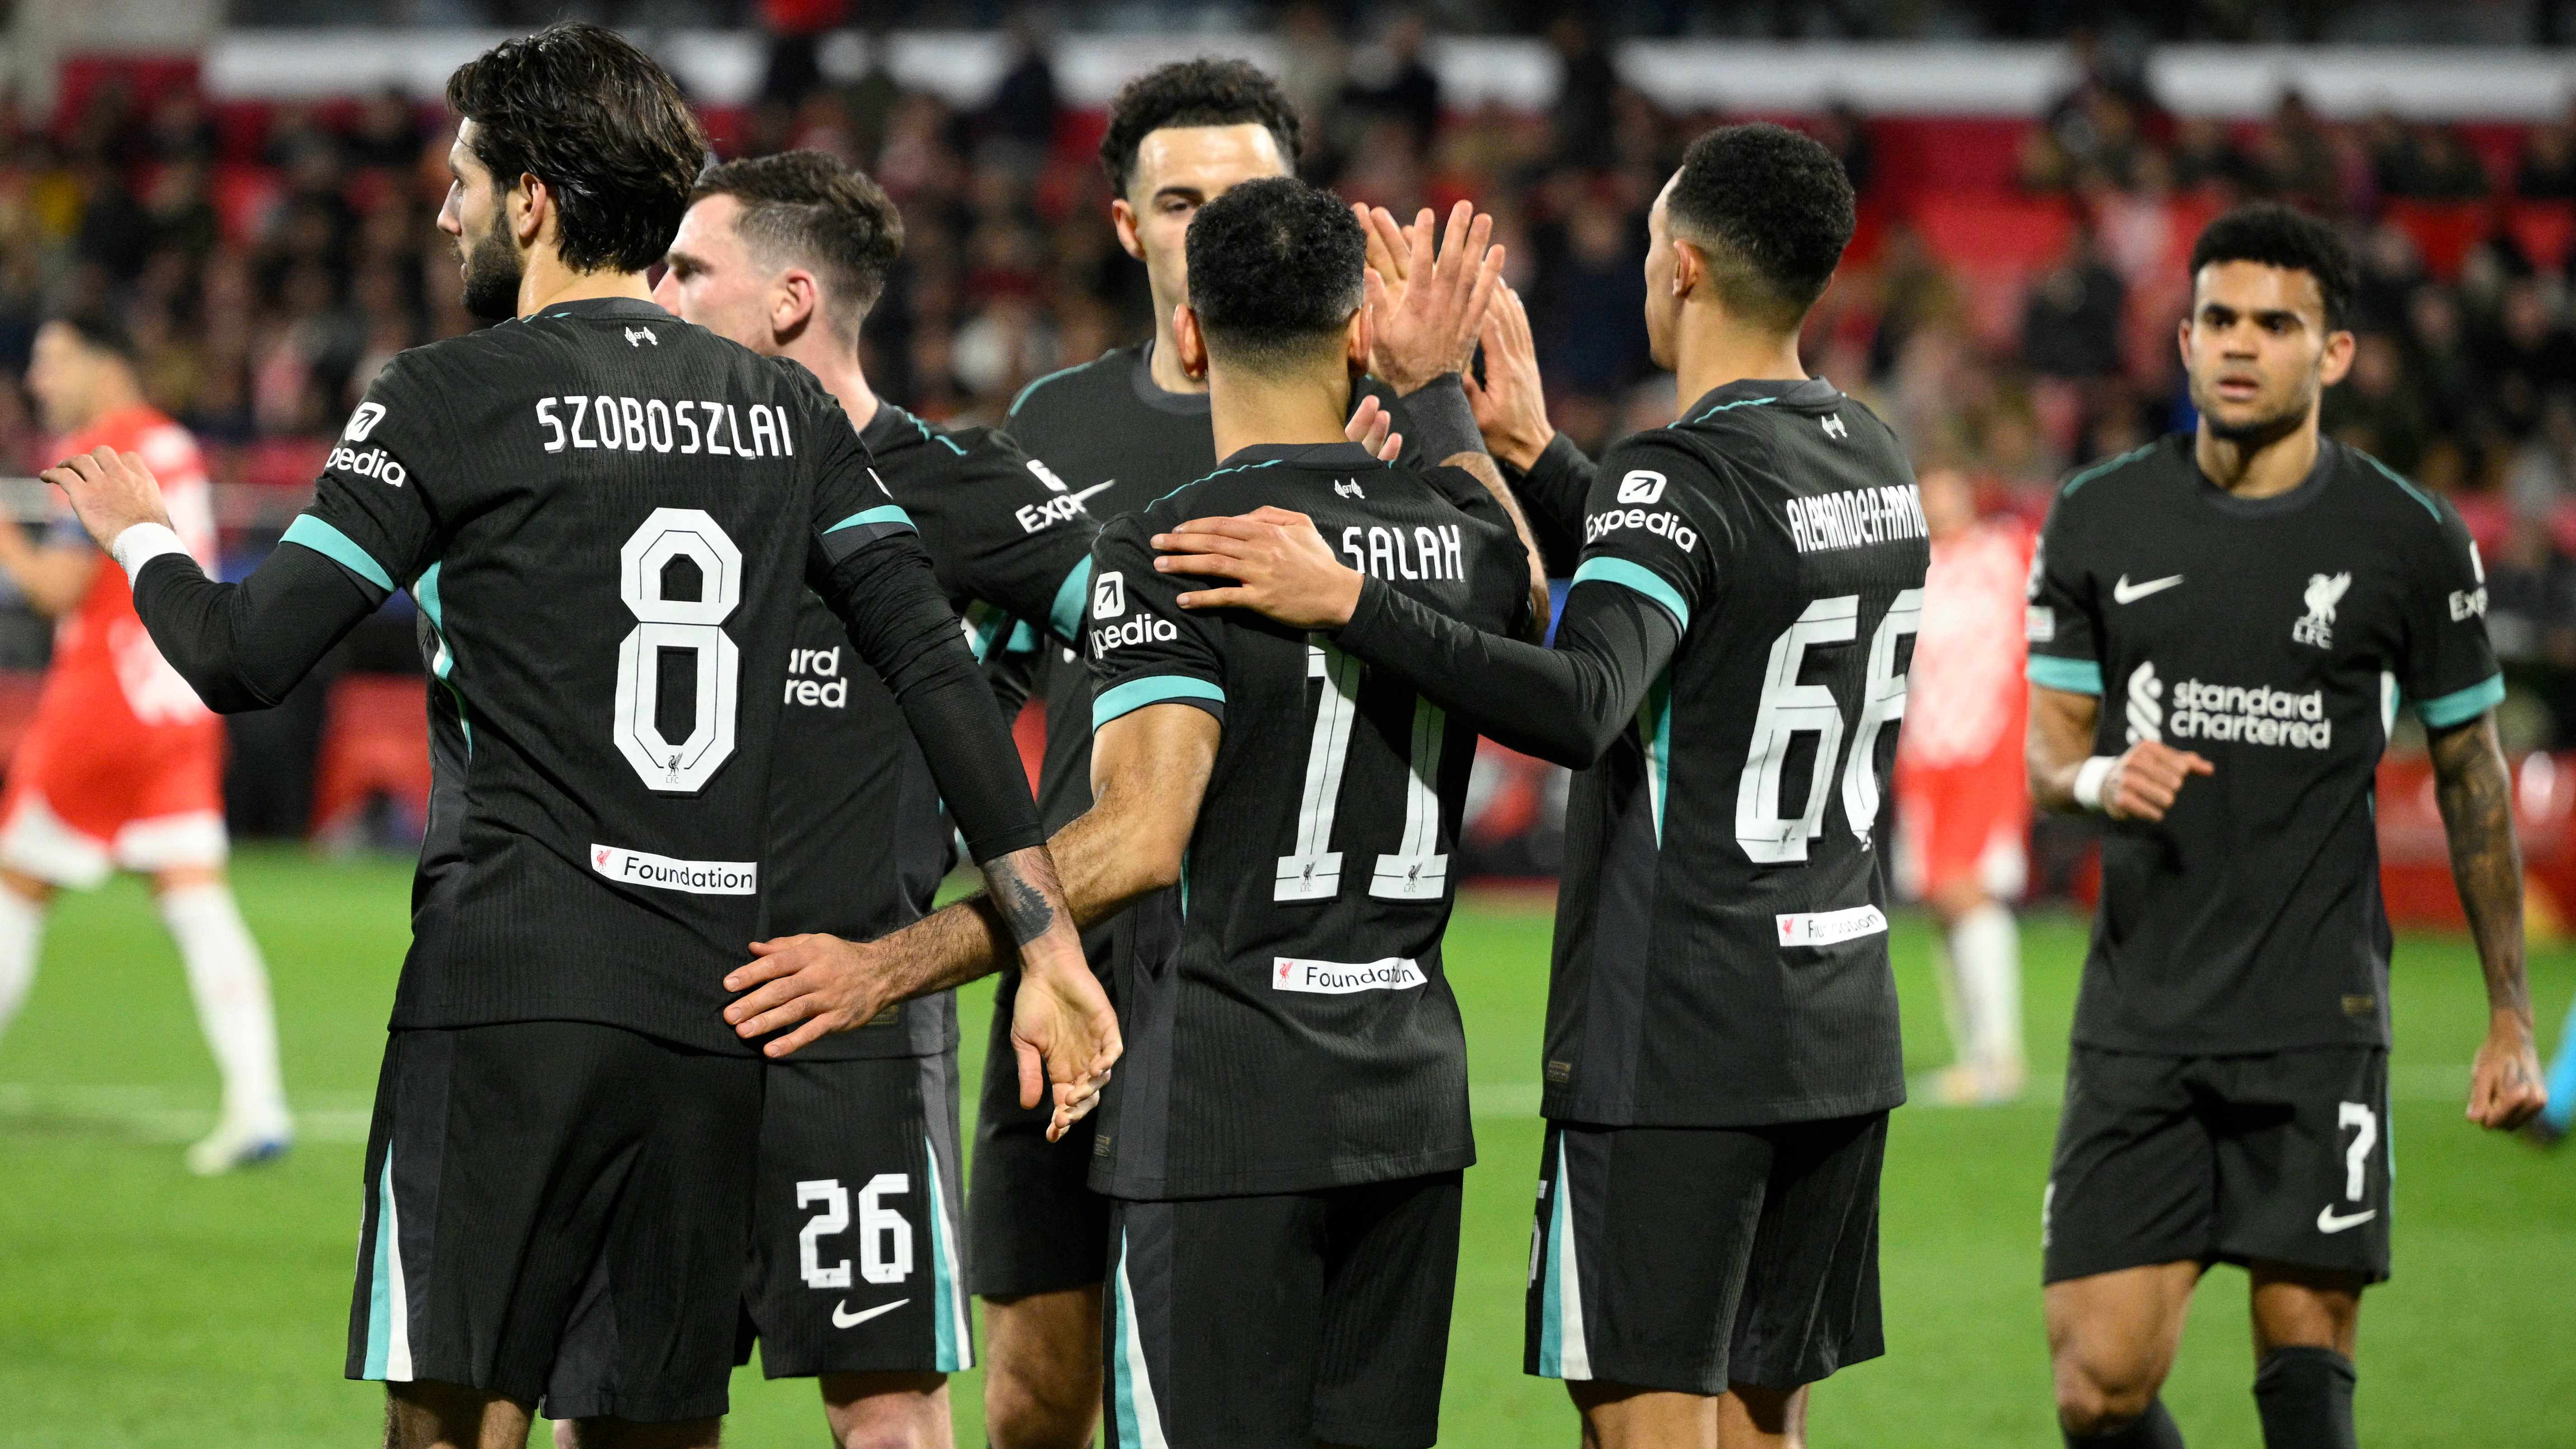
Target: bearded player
(123, 767)
(1962, 808)
(2257, 601)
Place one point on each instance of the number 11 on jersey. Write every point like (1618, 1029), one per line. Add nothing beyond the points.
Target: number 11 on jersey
(1417, 870)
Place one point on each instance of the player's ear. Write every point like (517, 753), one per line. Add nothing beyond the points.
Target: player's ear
(2337, 360)
(1689, 266)
(529, 204)
(1189, 345)
(1122, 217)
(2182, 339)
(793, 299)
(1359, 338)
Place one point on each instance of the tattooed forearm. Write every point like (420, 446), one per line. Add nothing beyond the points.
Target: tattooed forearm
(2475, 794)
(1019, 884)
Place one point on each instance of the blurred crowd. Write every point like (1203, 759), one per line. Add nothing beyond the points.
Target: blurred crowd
(270, 259)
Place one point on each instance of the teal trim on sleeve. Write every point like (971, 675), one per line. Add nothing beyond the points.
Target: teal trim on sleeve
(886, 514)
(2461, 706)
(1041, 382)
(1135, 694)
(339, 548)
(1640, 578)
(1064, 616)
(2392, 475)
(2075, 676)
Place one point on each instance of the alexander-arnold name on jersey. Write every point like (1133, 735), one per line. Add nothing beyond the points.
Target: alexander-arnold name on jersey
(1857, 518)
(687, 425)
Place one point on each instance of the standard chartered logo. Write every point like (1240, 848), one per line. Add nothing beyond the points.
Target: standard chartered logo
(2254, 714)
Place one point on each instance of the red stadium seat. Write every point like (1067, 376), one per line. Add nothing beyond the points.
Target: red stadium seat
(2543, 230)
(2444, 231)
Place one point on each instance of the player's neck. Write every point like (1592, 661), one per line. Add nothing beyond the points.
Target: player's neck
(1164, 363)
(547, 282)
(1248, 409)
(837, 368)
(1714, 350)
(2257, 467)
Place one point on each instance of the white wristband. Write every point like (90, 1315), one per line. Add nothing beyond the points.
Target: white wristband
(2089, 779)
(140, 545)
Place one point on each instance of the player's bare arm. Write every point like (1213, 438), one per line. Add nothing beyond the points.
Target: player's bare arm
(51, 576)
(2141, 782)
(2475, 794)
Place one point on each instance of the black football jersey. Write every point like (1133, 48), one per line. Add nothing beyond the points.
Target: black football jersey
(1721, 938)
(1287, 1022)
(1121, 441)
(859, 842)
(2277, 637)
(607, 517)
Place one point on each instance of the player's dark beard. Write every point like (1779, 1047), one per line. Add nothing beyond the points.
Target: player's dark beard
(492, 273)
(2259, 433)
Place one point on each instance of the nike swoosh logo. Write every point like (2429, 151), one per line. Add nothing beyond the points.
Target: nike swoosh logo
(1094, 488)
(2124, 592)
(842, 1317)
(2328, 1221)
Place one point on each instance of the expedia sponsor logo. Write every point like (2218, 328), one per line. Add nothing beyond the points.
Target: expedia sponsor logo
(2467, 604)
(1046, 475)
(661, 872)
(1334, 978)
(372, 463)
(1109, 595)
(363, 421)
(1035, 516)
(2039, 624)
(1659, 522)
(2248, 715)
(1143, 629)
(1642, 485)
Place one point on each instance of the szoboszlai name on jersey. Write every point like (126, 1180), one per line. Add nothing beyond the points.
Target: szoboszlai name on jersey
(688, 425)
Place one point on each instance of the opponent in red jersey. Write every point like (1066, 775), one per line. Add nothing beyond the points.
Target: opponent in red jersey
(1963, 807)
(122, 767)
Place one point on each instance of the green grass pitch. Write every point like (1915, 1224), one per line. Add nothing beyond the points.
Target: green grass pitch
(139, 1306)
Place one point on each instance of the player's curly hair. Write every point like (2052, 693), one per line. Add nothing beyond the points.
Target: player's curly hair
(1200, 92)
(1771, 209)
(1275, 271)
(577, 106)
(806, 208)
(2274, 235)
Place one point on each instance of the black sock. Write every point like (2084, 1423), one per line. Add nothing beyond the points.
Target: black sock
(2305, 1398)
(2154, 1429)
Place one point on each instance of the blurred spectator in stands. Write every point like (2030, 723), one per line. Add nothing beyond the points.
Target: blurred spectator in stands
(2548, 169)
(2070, 323)
(2294, 159)
(2377, 409)
(1391, 80)
(1023, 109)
(1589, 315)
(796, 30)
(387, 135)
(2390, 275)
(1845, 132)
(2206, 159)
(2531, 597)
(180, 129)
(2422, 163)
(1315, 64)
(1586, 78)
(2529, 358)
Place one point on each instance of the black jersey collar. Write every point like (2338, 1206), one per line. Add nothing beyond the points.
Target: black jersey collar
(2310, 489)
(1317, 455)
(1796, 392)
(1155, 396)
(605, 307)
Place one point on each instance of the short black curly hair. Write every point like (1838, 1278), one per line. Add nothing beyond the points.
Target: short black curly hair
(1203, 92)
(2274, 235)
(804, 207)
(577, 106)
(1275, 272)
(1772, 209)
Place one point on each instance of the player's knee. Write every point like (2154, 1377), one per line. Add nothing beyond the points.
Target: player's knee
(1024, 1410)
(2094, 1393)
(887, 1410)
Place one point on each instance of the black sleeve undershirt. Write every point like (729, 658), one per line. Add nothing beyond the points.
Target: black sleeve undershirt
(902, 626)
(244, 646)
(1553, 493)
(1566, 704)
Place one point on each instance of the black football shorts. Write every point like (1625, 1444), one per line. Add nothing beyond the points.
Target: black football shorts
(1691, 1259)
(1282, 1321)
(2278, 1157)
(1036, 1225)
(557, 1211)
(855, 1258)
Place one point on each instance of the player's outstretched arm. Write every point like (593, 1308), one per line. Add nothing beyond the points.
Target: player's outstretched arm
(2474, 791)
(1565, 704)
(2139, 783)
(241, 646)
